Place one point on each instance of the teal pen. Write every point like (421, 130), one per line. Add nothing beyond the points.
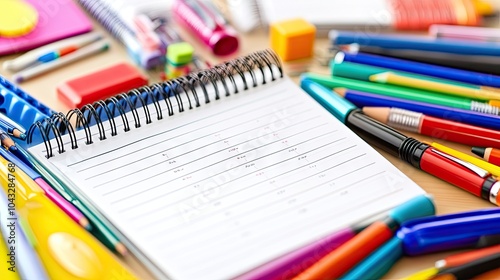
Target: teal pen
(22, 257)
(378, 263)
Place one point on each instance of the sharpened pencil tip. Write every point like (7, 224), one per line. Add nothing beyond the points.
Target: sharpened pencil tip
(85, 223)
(121, 249)
(479, 151)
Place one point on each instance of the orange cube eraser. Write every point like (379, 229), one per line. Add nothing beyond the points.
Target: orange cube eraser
(292, 39)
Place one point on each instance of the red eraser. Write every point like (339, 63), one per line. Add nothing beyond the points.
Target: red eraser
(101, 84)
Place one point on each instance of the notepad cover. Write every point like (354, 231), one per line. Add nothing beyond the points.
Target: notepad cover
(57, 19)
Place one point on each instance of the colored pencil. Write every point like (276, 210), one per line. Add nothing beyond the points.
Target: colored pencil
(489, 154)
(493, 169)
(405, 81)
(425, 69)
(408, 94)
(471, 269)
(358, 71)
(435, 127)
(463, 258)
(365, 99)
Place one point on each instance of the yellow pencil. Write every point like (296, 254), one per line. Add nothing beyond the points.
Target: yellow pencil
(493, 169)
(67, 251)
(430, 85)
(424, 274)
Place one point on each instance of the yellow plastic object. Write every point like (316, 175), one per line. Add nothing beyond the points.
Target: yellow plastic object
(67, 251)
(17, 18)
(292, 39)
(483, 8)
(5, 273)
(424, 274)
(495, 103)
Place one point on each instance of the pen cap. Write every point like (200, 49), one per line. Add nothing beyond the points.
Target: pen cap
(417, 207)
(450, 232)
(332, 102)
(378, 263)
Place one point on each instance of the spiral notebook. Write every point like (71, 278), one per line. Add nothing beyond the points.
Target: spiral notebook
(242, 167)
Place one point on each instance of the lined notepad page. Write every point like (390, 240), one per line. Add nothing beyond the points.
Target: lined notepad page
(218, 190)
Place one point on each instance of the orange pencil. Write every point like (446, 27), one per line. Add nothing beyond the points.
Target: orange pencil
(338, 262)
(462, 258)
(489, 154)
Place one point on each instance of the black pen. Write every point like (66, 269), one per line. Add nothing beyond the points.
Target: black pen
(420, 155)
(470, 270)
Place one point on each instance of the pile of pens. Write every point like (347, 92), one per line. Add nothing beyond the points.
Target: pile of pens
(55, 55)
(380, 86)
(52, 235)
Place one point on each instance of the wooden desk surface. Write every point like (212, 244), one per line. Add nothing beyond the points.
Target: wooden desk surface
(448, 198)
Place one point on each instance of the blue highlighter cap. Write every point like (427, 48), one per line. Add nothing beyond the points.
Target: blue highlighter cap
(472, 229)
(333, 103)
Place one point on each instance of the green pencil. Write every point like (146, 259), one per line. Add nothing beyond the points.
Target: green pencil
(404, 93)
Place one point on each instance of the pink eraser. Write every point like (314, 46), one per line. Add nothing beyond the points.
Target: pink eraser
(100, 84)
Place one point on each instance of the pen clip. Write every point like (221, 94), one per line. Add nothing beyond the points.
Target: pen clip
(478, 170)
(198, 9)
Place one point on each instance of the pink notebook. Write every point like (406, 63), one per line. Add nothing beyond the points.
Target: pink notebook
(57, 19)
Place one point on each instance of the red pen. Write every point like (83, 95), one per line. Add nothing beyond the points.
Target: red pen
(489, 154)
(462, 174)
(435, 127)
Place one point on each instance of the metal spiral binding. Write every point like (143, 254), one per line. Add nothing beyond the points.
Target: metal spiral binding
(106, 17)
(136, 101)
(404, 120)
(484, 108)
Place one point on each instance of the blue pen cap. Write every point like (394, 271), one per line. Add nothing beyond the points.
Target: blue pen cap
(333, 103)
(378, 263)
(417, 207)
(451, 232)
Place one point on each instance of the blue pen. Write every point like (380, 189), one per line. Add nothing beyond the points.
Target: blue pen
(20, 252)
(425, 69)
(414, 43)
(473, 229)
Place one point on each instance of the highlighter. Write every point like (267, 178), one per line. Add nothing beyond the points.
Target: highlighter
(6, 273)
(472, 229)
(67, 251)
(344, 258)
(383, 258)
